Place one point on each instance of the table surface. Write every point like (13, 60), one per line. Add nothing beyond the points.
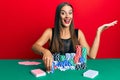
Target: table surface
(109, 69)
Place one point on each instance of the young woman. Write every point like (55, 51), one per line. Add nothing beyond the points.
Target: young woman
(63, 37)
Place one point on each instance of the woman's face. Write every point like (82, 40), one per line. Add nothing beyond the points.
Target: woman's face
(66, 15)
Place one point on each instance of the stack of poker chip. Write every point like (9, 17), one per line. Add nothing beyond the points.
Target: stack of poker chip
(80, 66)
(64, 62)
(78, 54)
(81, 61)
(73, 61)
(56, 56)
(84, 54)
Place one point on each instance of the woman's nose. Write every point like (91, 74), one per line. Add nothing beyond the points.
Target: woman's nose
(67, 15)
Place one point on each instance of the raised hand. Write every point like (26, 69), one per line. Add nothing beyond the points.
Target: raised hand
(105, 26)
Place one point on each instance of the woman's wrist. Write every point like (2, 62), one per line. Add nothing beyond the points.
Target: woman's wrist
(98, 32)
(45, 51)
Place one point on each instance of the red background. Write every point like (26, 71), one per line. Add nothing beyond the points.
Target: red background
(23, 21)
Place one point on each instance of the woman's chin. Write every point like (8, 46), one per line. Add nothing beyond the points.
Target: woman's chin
(66, 25)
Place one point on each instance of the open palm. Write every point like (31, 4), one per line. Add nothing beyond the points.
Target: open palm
(105, 26)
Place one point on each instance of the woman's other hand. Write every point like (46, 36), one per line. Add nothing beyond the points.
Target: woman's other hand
(105, 26)
(47, 59)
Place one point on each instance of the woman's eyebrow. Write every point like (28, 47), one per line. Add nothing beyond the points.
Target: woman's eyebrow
(65, 11)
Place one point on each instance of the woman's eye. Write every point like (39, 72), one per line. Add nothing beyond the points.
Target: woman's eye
(70, 12)
(62, 13)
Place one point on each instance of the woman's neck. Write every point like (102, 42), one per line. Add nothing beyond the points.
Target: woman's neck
(65, 33)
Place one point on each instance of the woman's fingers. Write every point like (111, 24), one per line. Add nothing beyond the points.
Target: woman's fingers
(48, 63)
(45, 61)
(115, 22)
(112, 23)
(105, 26)
(47, 58)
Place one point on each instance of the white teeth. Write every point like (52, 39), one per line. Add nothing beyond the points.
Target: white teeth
(67, 21)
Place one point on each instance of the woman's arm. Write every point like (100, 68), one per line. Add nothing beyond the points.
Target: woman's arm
(38, 45)
(92, 51)
(38, 48)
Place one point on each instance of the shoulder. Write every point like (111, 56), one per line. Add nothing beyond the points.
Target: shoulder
(78, 31)
(48, 32)
(80, 34)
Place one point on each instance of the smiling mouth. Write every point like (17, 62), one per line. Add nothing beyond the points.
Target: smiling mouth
(67, 21)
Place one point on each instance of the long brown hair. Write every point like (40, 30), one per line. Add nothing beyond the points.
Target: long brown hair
(56, 40)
